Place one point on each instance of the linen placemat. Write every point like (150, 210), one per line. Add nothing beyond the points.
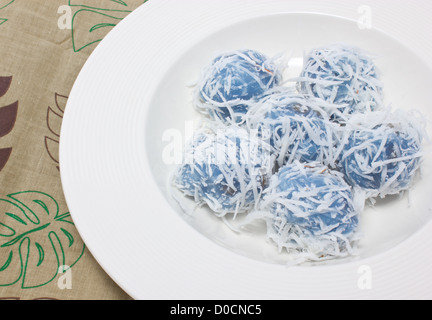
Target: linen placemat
(44, 45)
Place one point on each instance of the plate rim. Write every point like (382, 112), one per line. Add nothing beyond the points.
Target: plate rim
(63, 150)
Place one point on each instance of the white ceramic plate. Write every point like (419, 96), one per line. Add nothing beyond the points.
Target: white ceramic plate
(132, 100)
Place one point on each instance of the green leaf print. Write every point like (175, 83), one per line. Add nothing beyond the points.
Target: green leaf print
(4, 4)
(109, 5)
(94, 20)
(35, 240)
(91, 22)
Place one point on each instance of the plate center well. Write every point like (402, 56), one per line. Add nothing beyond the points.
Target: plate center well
(172, 120)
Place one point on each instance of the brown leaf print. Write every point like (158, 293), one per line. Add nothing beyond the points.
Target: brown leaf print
(60, 102)
(52, 147)
(5, 83)
(54, 120)
(8, 117)
(4, 157)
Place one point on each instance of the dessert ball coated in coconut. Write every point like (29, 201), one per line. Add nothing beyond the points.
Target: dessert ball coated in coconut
(344, 76)
(382, 154)
(294, 127)
(225, 169)
(313, 212)
(232, 83)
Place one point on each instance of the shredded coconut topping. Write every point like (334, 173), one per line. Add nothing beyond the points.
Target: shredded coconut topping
(304, 160)
(344, 76)
(382, 151)
(226, 168)
(229, 86)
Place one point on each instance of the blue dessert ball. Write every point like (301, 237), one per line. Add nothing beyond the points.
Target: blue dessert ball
(382, 160)
(293, 127)
(314, 199)
(344, 76)
(232, 81)
(227, 170)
